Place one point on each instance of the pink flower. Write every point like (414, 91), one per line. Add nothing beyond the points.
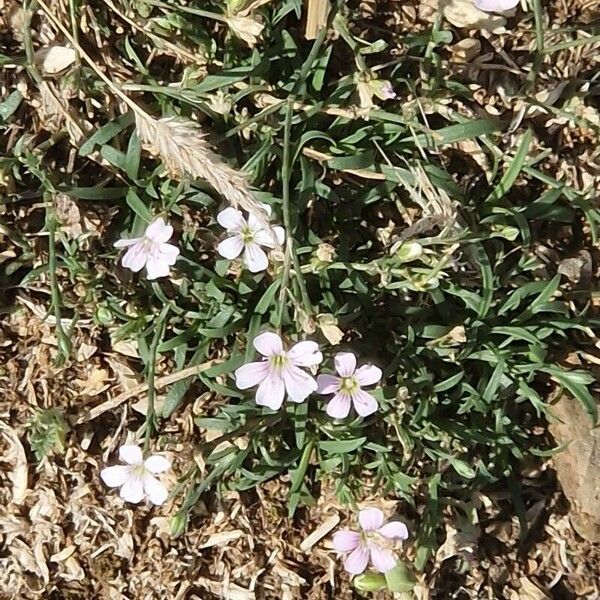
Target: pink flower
(279, 371)
(151, 250)
(136, 478)
(374, 542)
(247, 237)
(496, 5)
(348, 387)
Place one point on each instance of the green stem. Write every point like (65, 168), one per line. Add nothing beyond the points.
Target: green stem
(64, 343)
(150, 424)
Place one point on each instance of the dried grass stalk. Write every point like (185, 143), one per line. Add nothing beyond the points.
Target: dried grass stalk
(182, 145)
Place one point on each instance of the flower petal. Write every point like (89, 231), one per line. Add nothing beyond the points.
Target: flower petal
(383, 560)
(131, 454)
(157, 464)
(345, 363)
(327, 384)
(156, 492)
(232, 219)
(305, 354)
(255, 258)
(231, 247)
(115, 476)
(298, 384)
(368, 374)
(271, 392)
(271, 238)
(394, 530)
(346, 541)
(252, 374)
(158, 231)
(339, 406)
(370, 519)
(268, 343)
(157, 267)
(356, 563)
(136, 256)
(496, 5)
(133, 490)
(169, 253)
(364, 403)
(127, 243)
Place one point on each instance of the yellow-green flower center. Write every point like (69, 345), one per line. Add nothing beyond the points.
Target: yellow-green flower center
(279, 361)
(138, 470)
(247, 234)
(349, 385)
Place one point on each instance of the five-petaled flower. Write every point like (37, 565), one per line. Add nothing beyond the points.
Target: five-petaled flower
(247, 237)
(348, 387)
(496, 5)
(151, 250)
(136, 479)
(374, 542)
(279, 371)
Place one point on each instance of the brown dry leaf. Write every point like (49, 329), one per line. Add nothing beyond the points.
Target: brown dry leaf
(17, 456)
(127, 348)
(68, 215)
(245, 28)
(459, 542)
(320, 532)
(96, 382)
(529, 591)
(55, 59)
(464, 13)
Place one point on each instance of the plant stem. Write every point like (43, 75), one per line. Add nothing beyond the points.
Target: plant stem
(150, 425)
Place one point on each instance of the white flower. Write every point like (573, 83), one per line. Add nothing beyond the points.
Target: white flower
(279, 371)
(151, 250)
(136, 478)
(248, 237)
(496, 5)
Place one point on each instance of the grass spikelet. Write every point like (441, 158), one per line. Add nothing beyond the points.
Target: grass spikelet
(182, 145)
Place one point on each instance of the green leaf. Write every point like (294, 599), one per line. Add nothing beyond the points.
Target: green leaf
(341, 446)
(106, 133)
(400, 578)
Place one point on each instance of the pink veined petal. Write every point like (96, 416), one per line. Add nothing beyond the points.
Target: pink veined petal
(383, 560)
(156, 492)
(231, 247)
(255, 258)
(305, 354)
(368, 374)
(157, 267)
(127, 243)
(298, 384)
(131, 454)
(339, 406)
(357, 562)
(346, 541)
(252, 374)
(395, 530)
(115, 476)
(364, 403)
(268, 343)
(370, 519)
(135, 258)
(345, 363)
(327, 384)
(157, 464)
(266, 238)
(496, 5)
(158, 231)
(232, 219)
(133, 490)
(271, 392)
